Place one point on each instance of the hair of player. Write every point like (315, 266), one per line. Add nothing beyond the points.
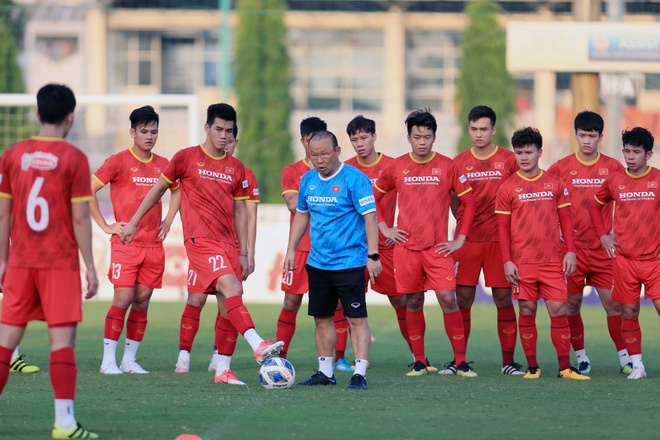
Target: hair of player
(312, 125)
(421, 118)
(143, 116)
(324, 134)
(235, 130)
(638, 137)
(360, 123)
(589, 121)
(527, 136)
(222, 111)
(54, 103)
(482, 111)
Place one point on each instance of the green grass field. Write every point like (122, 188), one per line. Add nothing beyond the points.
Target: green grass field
(163, 405)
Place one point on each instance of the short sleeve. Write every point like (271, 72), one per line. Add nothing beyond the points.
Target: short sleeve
(503, 201)
(363, 195)
(460, 184)
(288, 181)
(108, 171)
(563, 198)
(302, 200)
(81, 190)
(604, 195)
(173, 170)
(385, 181)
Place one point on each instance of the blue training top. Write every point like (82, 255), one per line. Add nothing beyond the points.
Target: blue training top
(336, 206)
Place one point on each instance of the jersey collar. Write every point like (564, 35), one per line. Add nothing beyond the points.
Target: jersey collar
(532, 179)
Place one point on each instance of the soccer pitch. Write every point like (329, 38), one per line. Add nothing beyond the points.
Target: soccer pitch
(163, 405)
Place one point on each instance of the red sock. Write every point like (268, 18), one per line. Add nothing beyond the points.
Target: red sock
(614, 327)
(5, 361)
(225, 336)
(456, 332)
(528, 337)
(341, 327)
(507, 330)
(401, 314)
(238, 314)
(560, 334)
(136, 325)
(632, 335)
(63, 373)
(286, 327)
(416, 329)
(577, 331)
(215, 326)
(114, 323)
(189, 327)
(466, 314)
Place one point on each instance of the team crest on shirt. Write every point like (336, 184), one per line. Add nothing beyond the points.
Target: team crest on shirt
(652, 184)
(573, 172)
(336, 189)
(229, 170)
(603, 172)
(436, 171)
(134, 169)
(39, 160)
(499, 165)
(548, 186)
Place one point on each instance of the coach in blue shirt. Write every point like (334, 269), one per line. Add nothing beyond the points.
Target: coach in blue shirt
(339, 200)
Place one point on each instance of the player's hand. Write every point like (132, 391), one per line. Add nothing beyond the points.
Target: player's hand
(609, 244)
(511, 273)
(92, 284)
(449, 247)
(127, 233)
(570, 263)
(243, 262)
(393, 235)
(289, 261)
(374, 268)
(3, 270)
(163, 229)
(114, 228)
(250, 265)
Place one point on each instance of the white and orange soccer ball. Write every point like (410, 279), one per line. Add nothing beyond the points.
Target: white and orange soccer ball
(277, 373)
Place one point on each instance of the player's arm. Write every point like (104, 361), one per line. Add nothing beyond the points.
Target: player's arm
(94, 210)
(173, 208)
(371, 228)
(298, 228)
(82, 229)
(240, 226)
(5, 230)
(454, 204)
(568, 233)
(251, 234)
(504, 237)
(291, 199)
(470, 209)
(596, 214)
(392, 234)
(149, 201)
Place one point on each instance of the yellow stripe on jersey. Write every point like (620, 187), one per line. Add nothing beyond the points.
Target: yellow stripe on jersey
(503, 212)
(99, 180)
(599, 201)
(166, 179)
(242, 198)
(464, 192)
(376, 186)
(5, 195)
(291, 191)
(252, 201)
(564, 205)
(81, 199)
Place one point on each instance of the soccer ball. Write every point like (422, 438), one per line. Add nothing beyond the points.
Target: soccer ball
(277, 374)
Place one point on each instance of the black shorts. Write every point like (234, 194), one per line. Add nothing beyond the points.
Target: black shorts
(326, 287)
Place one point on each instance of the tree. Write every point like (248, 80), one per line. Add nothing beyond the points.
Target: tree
(483, 77)
(15, 124)
(263, 76)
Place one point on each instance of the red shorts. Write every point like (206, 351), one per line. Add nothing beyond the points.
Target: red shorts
(475, 255)
(629, 275)
(385, 282)
(541, 281)
(208, 260)
(51, 295)
(419, 271)
(296, 281)
(133, 264)
(594, 268)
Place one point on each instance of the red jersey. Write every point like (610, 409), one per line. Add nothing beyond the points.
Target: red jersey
(583, 180)
(636, 213)
(388, 203)
(130, 180)
(532, 205)
(291, 175)
(209, 186)
(43, 176)
(253, 186)
(485, 177)
(424, 191)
